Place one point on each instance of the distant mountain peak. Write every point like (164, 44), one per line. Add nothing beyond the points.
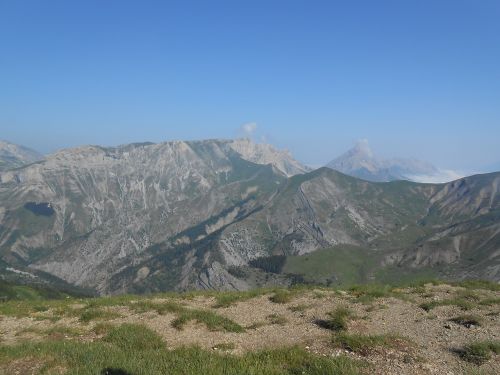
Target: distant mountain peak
(362, 148)
(358, 161)
(263, 153)
(361, 162)
(13, 156)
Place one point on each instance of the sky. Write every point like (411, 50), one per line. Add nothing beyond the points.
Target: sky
(417, 78)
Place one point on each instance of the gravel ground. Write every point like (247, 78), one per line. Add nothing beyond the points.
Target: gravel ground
(429, 348)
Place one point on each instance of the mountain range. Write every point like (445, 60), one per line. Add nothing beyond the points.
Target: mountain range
(233, 214)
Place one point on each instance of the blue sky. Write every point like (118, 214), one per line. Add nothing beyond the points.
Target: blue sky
(417, 78)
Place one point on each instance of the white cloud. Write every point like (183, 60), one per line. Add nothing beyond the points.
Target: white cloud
(248, 128)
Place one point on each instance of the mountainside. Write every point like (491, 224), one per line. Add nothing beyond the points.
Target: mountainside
(84, 214)
(225, 215)
(448, 230)
(361, 162)
(14, 156)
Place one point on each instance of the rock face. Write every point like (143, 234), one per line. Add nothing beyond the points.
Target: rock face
(110, 207)
(361, 162)
(14, 156)
(181, 215)
(261, 153)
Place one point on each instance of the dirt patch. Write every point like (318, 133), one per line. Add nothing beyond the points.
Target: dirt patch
(428, 337)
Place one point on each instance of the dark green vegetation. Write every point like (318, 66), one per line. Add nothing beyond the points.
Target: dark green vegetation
(480, 351)
(136, 350)
(337, 319)
(282, 296)
(272, 264)
(344, 264)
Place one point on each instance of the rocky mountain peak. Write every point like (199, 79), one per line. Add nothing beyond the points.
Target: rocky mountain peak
(358, 158)
(262, 153)
(362, 162)
(362, 149)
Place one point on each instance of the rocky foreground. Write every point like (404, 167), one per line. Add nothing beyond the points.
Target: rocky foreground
(427, 329)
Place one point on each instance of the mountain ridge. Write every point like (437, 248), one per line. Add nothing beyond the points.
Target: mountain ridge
(183, 215)
(14, 156)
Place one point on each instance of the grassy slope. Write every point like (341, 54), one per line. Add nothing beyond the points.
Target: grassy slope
(10, 292)
(338, 265)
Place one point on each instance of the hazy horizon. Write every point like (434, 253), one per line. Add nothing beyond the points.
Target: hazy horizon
(417, 79)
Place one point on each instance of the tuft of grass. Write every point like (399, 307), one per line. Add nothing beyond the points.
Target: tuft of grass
(367, 293)
(480, 351)
(337, 320)
(102, 328)
(134, 337)
(226, 299)
(212, 321)
(317, 294)
(160, 308)
(467, 320)
(93, 313)
(469, 295)
(365, 344)
(281, 296)
(419, 289)
(277, 319)
(456, 301)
